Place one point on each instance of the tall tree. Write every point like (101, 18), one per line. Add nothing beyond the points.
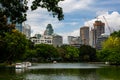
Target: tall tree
(14, 46)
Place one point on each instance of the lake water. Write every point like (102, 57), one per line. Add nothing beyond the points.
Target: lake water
(62, 71)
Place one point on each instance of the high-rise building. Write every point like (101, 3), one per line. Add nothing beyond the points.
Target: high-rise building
(92, 37)
(99, 28)
(84, 34)
(49, 30)
(26, 29)
(100, 39)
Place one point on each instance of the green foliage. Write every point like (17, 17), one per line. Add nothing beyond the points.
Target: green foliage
(111, 49)
(45, 51)
(69, 53)
(87, 53)
(13, 46)
(115, 34)
(4, 27)
(16, 9)
(50, 5)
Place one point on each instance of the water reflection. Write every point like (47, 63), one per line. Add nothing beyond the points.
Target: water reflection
(76, 71)
(63, 74)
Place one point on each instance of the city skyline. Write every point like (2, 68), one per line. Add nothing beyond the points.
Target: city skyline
(82, 13)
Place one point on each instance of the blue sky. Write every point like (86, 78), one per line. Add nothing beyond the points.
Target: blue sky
(77, 13)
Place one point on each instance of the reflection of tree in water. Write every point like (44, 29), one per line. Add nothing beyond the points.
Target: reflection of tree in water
(10, 74)
(112, 73)
(78, 74)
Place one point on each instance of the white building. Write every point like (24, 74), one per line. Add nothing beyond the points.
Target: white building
(54, 40)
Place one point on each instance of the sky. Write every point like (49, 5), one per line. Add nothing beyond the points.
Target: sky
(77, 13)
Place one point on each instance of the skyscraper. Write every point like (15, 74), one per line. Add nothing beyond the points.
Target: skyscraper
(99, 28)
(49, 30)
(84, 34)
(26, 29)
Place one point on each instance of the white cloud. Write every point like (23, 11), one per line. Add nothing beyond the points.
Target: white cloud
(111, 21)
(39, 18)
(72, 5)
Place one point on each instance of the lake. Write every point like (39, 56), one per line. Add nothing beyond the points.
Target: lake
(62, 71)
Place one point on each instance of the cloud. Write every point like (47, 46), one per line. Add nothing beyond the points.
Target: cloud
(73, 5)
(111, 21)
(74, 11)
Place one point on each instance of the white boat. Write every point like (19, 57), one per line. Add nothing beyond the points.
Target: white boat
(19, 65)
(22, 65)
(27, 64)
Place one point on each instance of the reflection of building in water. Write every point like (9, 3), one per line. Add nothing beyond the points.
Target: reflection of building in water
(18, 71)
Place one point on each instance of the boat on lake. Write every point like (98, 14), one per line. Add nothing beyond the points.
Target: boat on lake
(23, 65)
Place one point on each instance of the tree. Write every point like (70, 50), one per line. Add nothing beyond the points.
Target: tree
(4, 27)
(111, 49)
(14, 46)
(45, 51)
(16, 9)
(87, 53)
(69, 53)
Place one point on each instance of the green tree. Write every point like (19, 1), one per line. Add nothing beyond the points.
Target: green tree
(45, 51)
(16, 9)
(14, 46)
(111, 49)
(69, 53)
(4, 27)
(87, 53)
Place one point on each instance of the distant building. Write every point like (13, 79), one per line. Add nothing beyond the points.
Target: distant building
(57, 40)
(48, 38)
(92, 37)
(99, 28)
(74, 41)
(49, 30)
(22, 27)
(26, 29)
(100, 39)
(84, 34)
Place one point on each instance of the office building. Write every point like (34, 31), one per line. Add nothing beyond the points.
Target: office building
(26, 30)
(84, 35)
(99, 28)
(48, 38)
(74, 41)
(99, 41)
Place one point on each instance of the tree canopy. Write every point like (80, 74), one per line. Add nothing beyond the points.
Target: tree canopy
(12, 46)
(87, 53)
(16, 9)
(111, 49)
